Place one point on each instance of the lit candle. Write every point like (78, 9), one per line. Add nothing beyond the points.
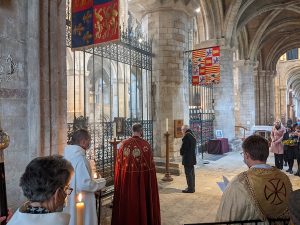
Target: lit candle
(114, 130)
(167, 123)
(95, 176)
(80, 210)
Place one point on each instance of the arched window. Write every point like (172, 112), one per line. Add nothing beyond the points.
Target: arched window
(135, 95)
(292, 54)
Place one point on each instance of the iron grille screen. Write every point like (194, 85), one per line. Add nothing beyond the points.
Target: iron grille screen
(108, 81)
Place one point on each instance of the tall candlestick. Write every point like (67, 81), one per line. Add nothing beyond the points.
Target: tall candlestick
(167, 123)
(114, 130)
(167, 176)
(4, 142)
(80, 211)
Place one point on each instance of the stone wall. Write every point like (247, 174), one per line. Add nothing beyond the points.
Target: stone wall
(13, 93)
(33, 102)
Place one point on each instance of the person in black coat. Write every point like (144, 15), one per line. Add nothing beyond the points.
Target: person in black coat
(289, 150)
(188, 153)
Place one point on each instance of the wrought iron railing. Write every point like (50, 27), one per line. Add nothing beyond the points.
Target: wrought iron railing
(101, 150)
(248, 222)
(201, 123)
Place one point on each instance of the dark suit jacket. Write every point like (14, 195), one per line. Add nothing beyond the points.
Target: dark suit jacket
(188, 149)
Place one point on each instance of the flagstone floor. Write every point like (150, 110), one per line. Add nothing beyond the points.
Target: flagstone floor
(179, 208)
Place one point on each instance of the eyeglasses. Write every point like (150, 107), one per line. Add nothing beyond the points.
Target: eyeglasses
(68, 190)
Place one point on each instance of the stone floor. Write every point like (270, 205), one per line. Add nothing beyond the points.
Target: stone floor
(178, 208)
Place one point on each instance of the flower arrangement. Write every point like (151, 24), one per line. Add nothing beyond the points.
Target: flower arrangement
(289, 142)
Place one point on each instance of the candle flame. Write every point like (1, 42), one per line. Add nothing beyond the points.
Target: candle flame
(80, 197)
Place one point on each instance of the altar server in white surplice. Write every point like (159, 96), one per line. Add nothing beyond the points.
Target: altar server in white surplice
(82, 181)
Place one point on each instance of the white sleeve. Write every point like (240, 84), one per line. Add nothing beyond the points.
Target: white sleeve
(235, 204)
(84, 182)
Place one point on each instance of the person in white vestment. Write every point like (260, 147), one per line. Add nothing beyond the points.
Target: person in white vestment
(82, 182)
(294, 203)
(45, 184)
(259, 193)
(4, 218)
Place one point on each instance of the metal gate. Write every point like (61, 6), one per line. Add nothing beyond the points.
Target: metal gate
(201, 109)
(107, 82)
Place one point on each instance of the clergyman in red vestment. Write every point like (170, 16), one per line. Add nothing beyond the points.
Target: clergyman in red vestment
(136, 199)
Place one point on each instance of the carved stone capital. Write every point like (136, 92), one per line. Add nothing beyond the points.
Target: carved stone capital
(140, 8)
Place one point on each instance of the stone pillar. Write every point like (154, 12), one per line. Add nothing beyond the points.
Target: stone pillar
(168, 28)
(224, 96)
(266, 97)
(271, 112)
(52, 78)
(245, 96)
(33, 102)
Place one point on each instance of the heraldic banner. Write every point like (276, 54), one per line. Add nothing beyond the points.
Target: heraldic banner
(206, 66)
(94, 22)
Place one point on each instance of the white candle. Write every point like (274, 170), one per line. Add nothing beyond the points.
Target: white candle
(95, 176)
(114, 130)
(79, 210)
(167, 123)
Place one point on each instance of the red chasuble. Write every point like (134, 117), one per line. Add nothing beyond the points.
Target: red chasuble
(136, 200)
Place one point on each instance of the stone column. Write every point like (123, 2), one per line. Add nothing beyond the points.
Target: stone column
(266, 97)
(168, 24)
(224, 96)
(283, 102)
(52, 102)
(271, 108)
(32, 104)
(245, 98)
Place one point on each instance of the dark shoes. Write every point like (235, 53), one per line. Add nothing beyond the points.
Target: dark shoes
(297, 173)
(289, 171)
(188, 191)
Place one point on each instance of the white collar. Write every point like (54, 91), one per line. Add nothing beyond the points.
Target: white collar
(261, 166)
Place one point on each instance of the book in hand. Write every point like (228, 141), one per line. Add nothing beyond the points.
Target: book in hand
(223, 184)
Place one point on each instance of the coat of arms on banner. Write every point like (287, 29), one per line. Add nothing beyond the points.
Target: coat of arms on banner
(206, 66)
(94, 22)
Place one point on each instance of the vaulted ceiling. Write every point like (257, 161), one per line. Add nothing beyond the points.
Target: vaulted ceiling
(260, 29)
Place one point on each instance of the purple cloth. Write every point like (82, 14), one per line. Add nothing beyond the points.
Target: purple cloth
(218, 146)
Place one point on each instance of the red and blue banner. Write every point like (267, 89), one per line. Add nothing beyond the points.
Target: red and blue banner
(206, 66)
(94, 22)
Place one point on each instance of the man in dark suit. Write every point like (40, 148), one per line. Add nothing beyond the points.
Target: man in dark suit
(188, 153)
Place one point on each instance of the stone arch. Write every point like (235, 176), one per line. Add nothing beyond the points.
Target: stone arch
(258, 8)
(293, 76)
(230, 19)
(242, 43)
(206, 11)
(274, 55)
(201, 28)
(109, 70)
(259, 34)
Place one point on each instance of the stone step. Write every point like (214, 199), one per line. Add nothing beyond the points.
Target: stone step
(172, 170)
(175, 168)
(171, 164)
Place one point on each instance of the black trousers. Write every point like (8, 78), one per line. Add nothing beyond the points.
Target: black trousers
(279, 161)
(290, 155)
(190, 177)
(291, 164)
(285, 157)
